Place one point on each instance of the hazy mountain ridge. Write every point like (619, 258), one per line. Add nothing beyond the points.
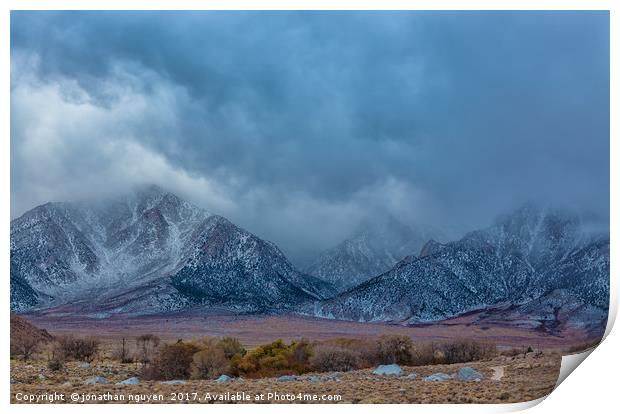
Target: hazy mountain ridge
(146, 252)
(523, 257)
(375, 247)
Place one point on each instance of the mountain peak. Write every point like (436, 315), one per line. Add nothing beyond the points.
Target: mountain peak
(146, 192)
(377, 244)
(146, 251)
(430, 247)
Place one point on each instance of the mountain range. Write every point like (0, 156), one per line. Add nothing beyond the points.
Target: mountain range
(150, 252)
(539, 260)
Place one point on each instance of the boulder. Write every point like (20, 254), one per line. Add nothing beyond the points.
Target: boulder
(287, 378)
(392, 369)
(413, 375)
(130, 381)
(468, 374)
(335, 376)
(438, 376)
(173, 382)
(314, 378)
(223, 379)
(96, 380)
(84, 365)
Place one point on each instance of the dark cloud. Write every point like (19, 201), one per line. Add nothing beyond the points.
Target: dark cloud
(282, 119)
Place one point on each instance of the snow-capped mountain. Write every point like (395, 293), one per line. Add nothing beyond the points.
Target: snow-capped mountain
(152, 252)
(375, 247)
(146, 252)
(525, 257)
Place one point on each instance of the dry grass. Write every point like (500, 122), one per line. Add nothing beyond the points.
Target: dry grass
(527, 376)
(525, 379)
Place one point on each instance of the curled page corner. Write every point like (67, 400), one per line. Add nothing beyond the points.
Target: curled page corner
(570, 363)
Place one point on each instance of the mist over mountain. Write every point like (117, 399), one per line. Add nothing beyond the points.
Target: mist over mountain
(530, 258)
(295, 125)
(377, 244)
(149, 251)
(146, 252)
(214, 169)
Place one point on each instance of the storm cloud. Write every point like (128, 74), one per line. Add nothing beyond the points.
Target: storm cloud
(297, 125)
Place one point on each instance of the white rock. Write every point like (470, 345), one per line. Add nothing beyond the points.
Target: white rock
(130, 381)
(437, 377)
(392, 369)
(96, 380)
(173, 382)
(223, 379)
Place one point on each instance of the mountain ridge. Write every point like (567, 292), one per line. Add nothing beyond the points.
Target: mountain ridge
(519, 259)
(152, 252)
(376, 245)
(127, 252)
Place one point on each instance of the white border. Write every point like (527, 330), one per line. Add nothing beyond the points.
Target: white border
(312, 5)
(592, 388)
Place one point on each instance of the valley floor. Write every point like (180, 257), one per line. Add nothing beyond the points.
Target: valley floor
(255, 330)
(505, 380)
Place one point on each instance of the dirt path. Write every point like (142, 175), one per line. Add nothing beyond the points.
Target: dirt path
(498, 372)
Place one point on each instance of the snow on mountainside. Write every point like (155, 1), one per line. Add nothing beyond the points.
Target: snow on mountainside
(519, 260)
(146, 252)
(375, 247)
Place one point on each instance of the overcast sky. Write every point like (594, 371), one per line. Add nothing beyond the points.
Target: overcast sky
(296, 125)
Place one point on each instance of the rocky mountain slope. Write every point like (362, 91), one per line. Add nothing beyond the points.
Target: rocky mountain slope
(21, 328)
(147, 252)
(537, 260)
(374, 248)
